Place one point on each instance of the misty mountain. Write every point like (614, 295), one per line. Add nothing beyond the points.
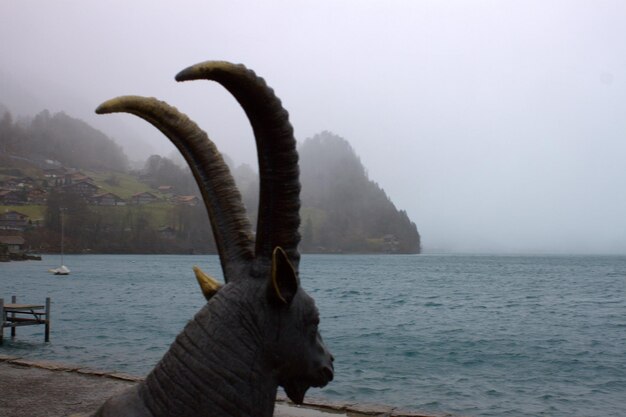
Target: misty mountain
(62, 138)
(343, 210)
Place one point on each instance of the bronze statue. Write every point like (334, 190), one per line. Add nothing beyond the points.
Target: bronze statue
(259, 330)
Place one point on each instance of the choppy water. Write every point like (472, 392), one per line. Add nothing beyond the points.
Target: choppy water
(470, 335)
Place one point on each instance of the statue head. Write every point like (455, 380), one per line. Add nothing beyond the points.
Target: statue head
(262, 296)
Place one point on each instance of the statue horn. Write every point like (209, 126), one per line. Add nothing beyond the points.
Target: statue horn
(279, 201)
(231, 227)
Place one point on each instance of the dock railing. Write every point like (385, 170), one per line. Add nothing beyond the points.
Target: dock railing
(15, 315)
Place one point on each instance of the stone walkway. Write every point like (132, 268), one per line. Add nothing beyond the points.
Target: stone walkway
(41, 388)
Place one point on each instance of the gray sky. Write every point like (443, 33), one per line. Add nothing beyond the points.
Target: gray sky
(497, 125)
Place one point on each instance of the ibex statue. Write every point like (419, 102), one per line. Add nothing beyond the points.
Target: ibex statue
(259, 330)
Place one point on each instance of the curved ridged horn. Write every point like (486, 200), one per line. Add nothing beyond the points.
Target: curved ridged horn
(231, 227)
(279, 201)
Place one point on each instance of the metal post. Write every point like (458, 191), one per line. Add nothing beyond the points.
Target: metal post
(47, 339)
(13, 301)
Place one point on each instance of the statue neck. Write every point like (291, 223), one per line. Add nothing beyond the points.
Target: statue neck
(215, 367)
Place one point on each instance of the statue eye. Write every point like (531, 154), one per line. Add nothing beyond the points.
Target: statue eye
(312, 321)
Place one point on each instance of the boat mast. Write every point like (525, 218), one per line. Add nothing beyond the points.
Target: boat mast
(62, 234)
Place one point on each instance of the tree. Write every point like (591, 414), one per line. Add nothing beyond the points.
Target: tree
(163, 171)
(6, 132)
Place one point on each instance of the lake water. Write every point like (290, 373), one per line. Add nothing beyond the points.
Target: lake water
(467, 335)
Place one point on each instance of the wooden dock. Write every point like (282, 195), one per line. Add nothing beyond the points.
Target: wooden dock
(15, 315)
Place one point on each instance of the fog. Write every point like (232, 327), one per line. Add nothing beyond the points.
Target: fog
(497, 125)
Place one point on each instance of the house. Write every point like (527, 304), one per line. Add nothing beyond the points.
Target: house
(15, 244)
(55, 176)
(12, 198)
(83, 188)
(10, 183)
(107, 199)
(166, 189)
(26, 182)
(13, 220)
(37, 196)
(17, 184)
(186, 200)
(54, 172)
(143, 198)
(79, 176)
(76, 177)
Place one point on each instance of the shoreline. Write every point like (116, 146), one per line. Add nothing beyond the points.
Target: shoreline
(77, 391)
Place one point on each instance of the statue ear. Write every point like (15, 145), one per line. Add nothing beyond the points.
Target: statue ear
(283, 278)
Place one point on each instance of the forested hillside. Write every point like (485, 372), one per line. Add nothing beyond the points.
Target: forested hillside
(61, 138)
(343, 211)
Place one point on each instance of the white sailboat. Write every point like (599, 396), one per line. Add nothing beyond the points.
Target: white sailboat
(62, 270)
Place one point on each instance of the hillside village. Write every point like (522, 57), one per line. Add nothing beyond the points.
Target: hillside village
(15, 191)
(24, 201)
(60, 176)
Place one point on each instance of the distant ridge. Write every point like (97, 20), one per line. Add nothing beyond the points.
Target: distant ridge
(343, 211)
